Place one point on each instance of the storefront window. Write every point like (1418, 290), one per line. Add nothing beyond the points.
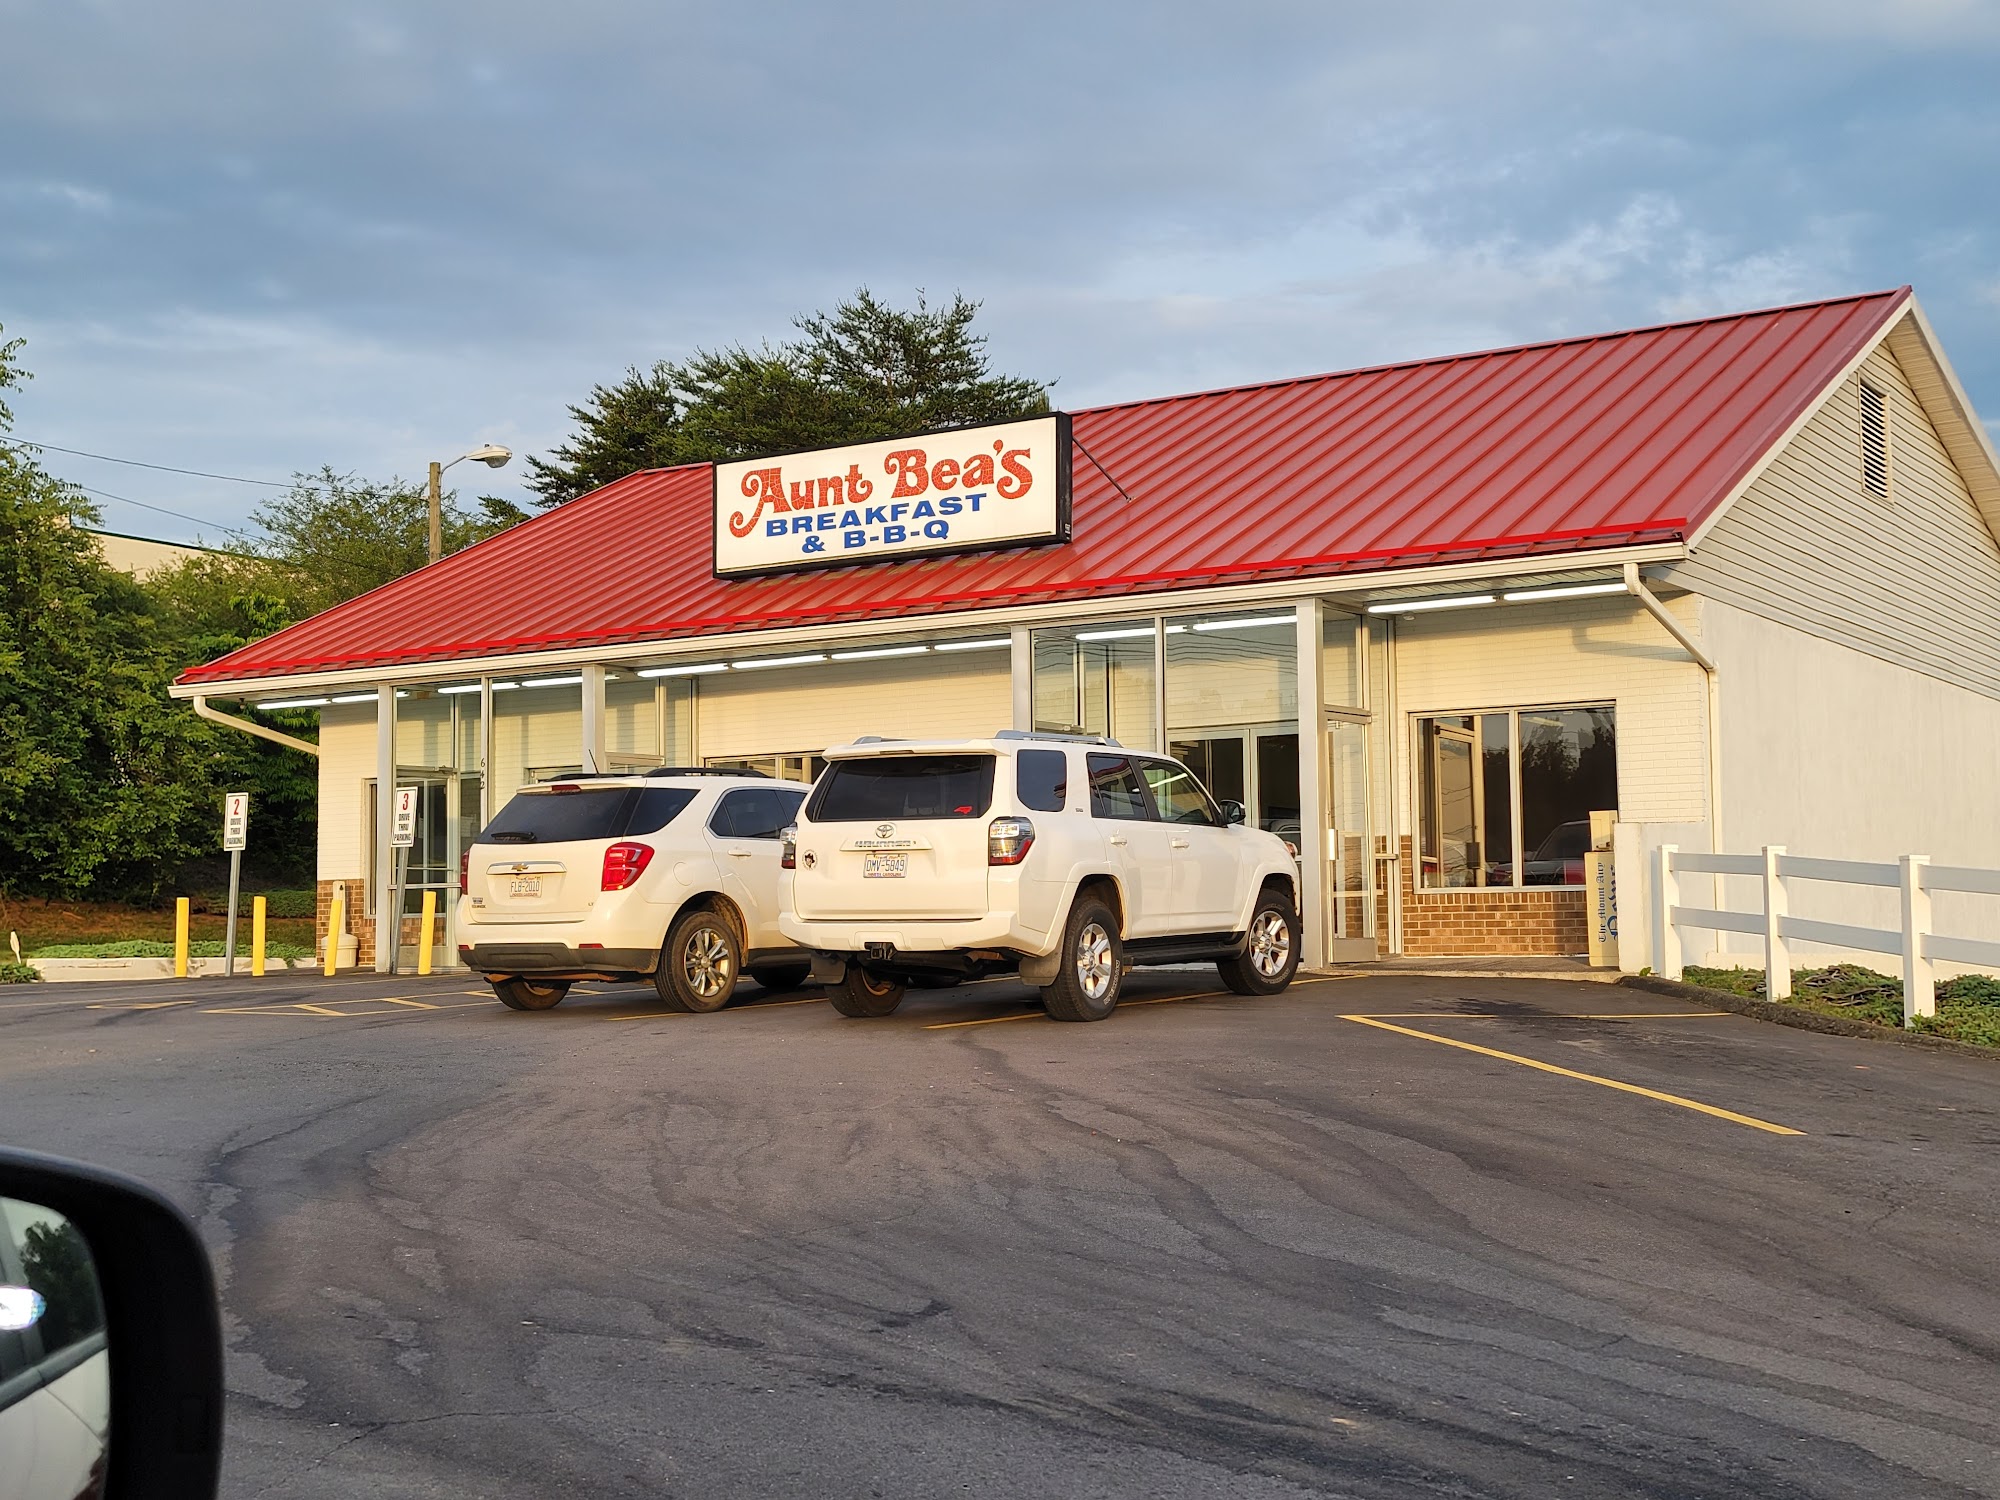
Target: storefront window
(537, 733)
(1564, 762)
(1233, 710)
(1097, 679)
(647, 721)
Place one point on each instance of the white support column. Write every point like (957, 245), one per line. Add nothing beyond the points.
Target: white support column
(1023, 661)
(1314, 774)
(1160, 684)
(1666, 896)
(387, 929)
(1777, 906)
(1919, 977)
(592, 750)
(486, 807)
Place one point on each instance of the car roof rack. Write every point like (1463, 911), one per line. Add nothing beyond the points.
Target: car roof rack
(698, 771)
(1067, 739)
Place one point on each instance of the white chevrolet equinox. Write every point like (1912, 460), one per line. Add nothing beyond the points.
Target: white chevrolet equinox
(1069, 859)
(671, 875)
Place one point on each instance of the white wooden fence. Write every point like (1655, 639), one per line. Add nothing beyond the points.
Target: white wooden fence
(1914, 876)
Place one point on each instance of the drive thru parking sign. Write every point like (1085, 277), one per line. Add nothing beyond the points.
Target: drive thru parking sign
(404, 834)
(235, 820)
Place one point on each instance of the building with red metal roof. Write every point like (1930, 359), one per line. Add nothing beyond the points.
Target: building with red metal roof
(1423, 618)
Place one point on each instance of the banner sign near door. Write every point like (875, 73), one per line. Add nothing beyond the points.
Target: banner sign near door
(968, 489)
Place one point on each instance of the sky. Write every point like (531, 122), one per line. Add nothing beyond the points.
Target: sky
(255, 239)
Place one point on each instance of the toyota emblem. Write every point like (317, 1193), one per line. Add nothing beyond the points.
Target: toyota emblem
(883, 830)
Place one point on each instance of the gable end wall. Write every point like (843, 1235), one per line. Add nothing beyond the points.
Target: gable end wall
(1913, 580)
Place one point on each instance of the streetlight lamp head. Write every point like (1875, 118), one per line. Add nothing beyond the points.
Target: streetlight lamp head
(492, 455)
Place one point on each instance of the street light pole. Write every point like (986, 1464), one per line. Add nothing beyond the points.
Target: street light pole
(436, 513)
(491, 454)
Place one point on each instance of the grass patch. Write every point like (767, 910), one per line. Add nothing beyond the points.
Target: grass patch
(53, 923)
(13, 973)
(146, 948)
(1968, 1007)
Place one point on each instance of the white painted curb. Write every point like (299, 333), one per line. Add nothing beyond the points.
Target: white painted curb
(81, 970)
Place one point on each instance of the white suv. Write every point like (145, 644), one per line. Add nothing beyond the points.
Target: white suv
(1067, 858)
(672, 874)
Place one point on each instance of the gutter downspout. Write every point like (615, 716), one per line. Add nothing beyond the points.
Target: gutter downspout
(1636, 587)
(203, 711)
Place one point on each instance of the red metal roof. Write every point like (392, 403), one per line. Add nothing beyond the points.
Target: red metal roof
(1605, 441)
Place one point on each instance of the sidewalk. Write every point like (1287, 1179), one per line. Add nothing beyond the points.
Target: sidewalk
(1473, 966)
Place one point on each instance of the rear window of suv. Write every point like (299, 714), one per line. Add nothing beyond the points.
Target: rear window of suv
(903, 786)
(592, 812)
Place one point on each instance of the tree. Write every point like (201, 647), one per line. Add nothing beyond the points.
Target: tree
(863, 372)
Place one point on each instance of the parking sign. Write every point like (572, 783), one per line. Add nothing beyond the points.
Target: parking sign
(405, 831)
(235, 819)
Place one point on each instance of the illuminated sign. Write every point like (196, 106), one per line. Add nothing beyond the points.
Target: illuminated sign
(965, 490)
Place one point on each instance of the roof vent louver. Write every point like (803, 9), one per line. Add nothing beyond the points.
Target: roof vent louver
(1874, 441)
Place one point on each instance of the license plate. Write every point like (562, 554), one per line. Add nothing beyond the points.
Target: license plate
(525, 885)
(884, 866)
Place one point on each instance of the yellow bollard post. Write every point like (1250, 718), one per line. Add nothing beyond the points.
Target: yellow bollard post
(336, 922)
(427, 932)
(180, 937)
(256, 937)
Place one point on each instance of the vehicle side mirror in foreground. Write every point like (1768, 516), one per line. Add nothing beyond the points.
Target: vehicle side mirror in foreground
(110, 1342)
(1234, 813)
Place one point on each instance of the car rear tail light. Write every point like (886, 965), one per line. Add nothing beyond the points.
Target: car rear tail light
(1008, 840)
(789, 843)
(464, 871)
(625, 863)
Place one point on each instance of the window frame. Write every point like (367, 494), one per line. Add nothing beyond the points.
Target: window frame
(1418, 772)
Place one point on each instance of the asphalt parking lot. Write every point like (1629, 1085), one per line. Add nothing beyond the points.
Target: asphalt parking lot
(1384, 1236)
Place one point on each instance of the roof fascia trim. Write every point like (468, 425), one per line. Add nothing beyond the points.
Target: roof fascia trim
(990, 617)
(1811, 410)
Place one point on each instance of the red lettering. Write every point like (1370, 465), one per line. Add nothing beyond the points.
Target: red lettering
(766, 487)
(1021, 479)
(858, 489)
(907, 464)
(802, 495)
(829, 492)
(944, 475)
(978, 471)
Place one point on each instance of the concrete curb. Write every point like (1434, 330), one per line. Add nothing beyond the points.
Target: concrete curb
(1804, 1020)
(85, 970)
(1573, 976)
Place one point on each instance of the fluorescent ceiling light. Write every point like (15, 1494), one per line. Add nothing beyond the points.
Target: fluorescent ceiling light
(778, 661)
(353, 698)
(463, 687)
(295, 702)
(874, 651)
(692, 670)
(1412, 606)
(1126, 633)
(551, 681)
(974, 645)
(1565, 591)
(505, 687)
(1260, 621)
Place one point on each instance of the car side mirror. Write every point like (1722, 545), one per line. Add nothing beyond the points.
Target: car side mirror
(110, 1340)
(1234, 812)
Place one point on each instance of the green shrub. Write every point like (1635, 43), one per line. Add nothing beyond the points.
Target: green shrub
(149, 948)
(289, 904)
(1735, 981)
(13, 973)
(1970, 990)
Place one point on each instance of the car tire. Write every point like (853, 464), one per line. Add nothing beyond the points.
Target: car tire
(864, 995)
(699, 963)
(530, 994)
(1270, 955)
(782, 977)
(1092, 970)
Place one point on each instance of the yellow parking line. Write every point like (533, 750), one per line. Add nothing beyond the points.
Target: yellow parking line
(1470, 1015)
(1042, 1015)
(1609, 1083)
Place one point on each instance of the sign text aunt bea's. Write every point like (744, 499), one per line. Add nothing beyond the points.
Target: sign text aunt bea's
(957, 491)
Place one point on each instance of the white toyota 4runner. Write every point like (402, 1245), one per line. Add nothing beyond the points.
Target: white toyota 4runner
(1068, 858)
(671, 875)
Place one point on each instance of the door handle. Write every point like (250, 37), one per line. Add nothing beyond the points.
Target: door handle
(1178, 843)
(1118, 839)
(739, 853)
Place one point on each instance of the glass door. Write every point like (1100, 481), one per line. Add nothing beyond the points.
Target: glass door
(1350, 848)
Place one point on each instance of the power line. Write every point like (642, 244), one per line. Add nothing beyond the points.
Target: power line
(125, 500)
(137, 464)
